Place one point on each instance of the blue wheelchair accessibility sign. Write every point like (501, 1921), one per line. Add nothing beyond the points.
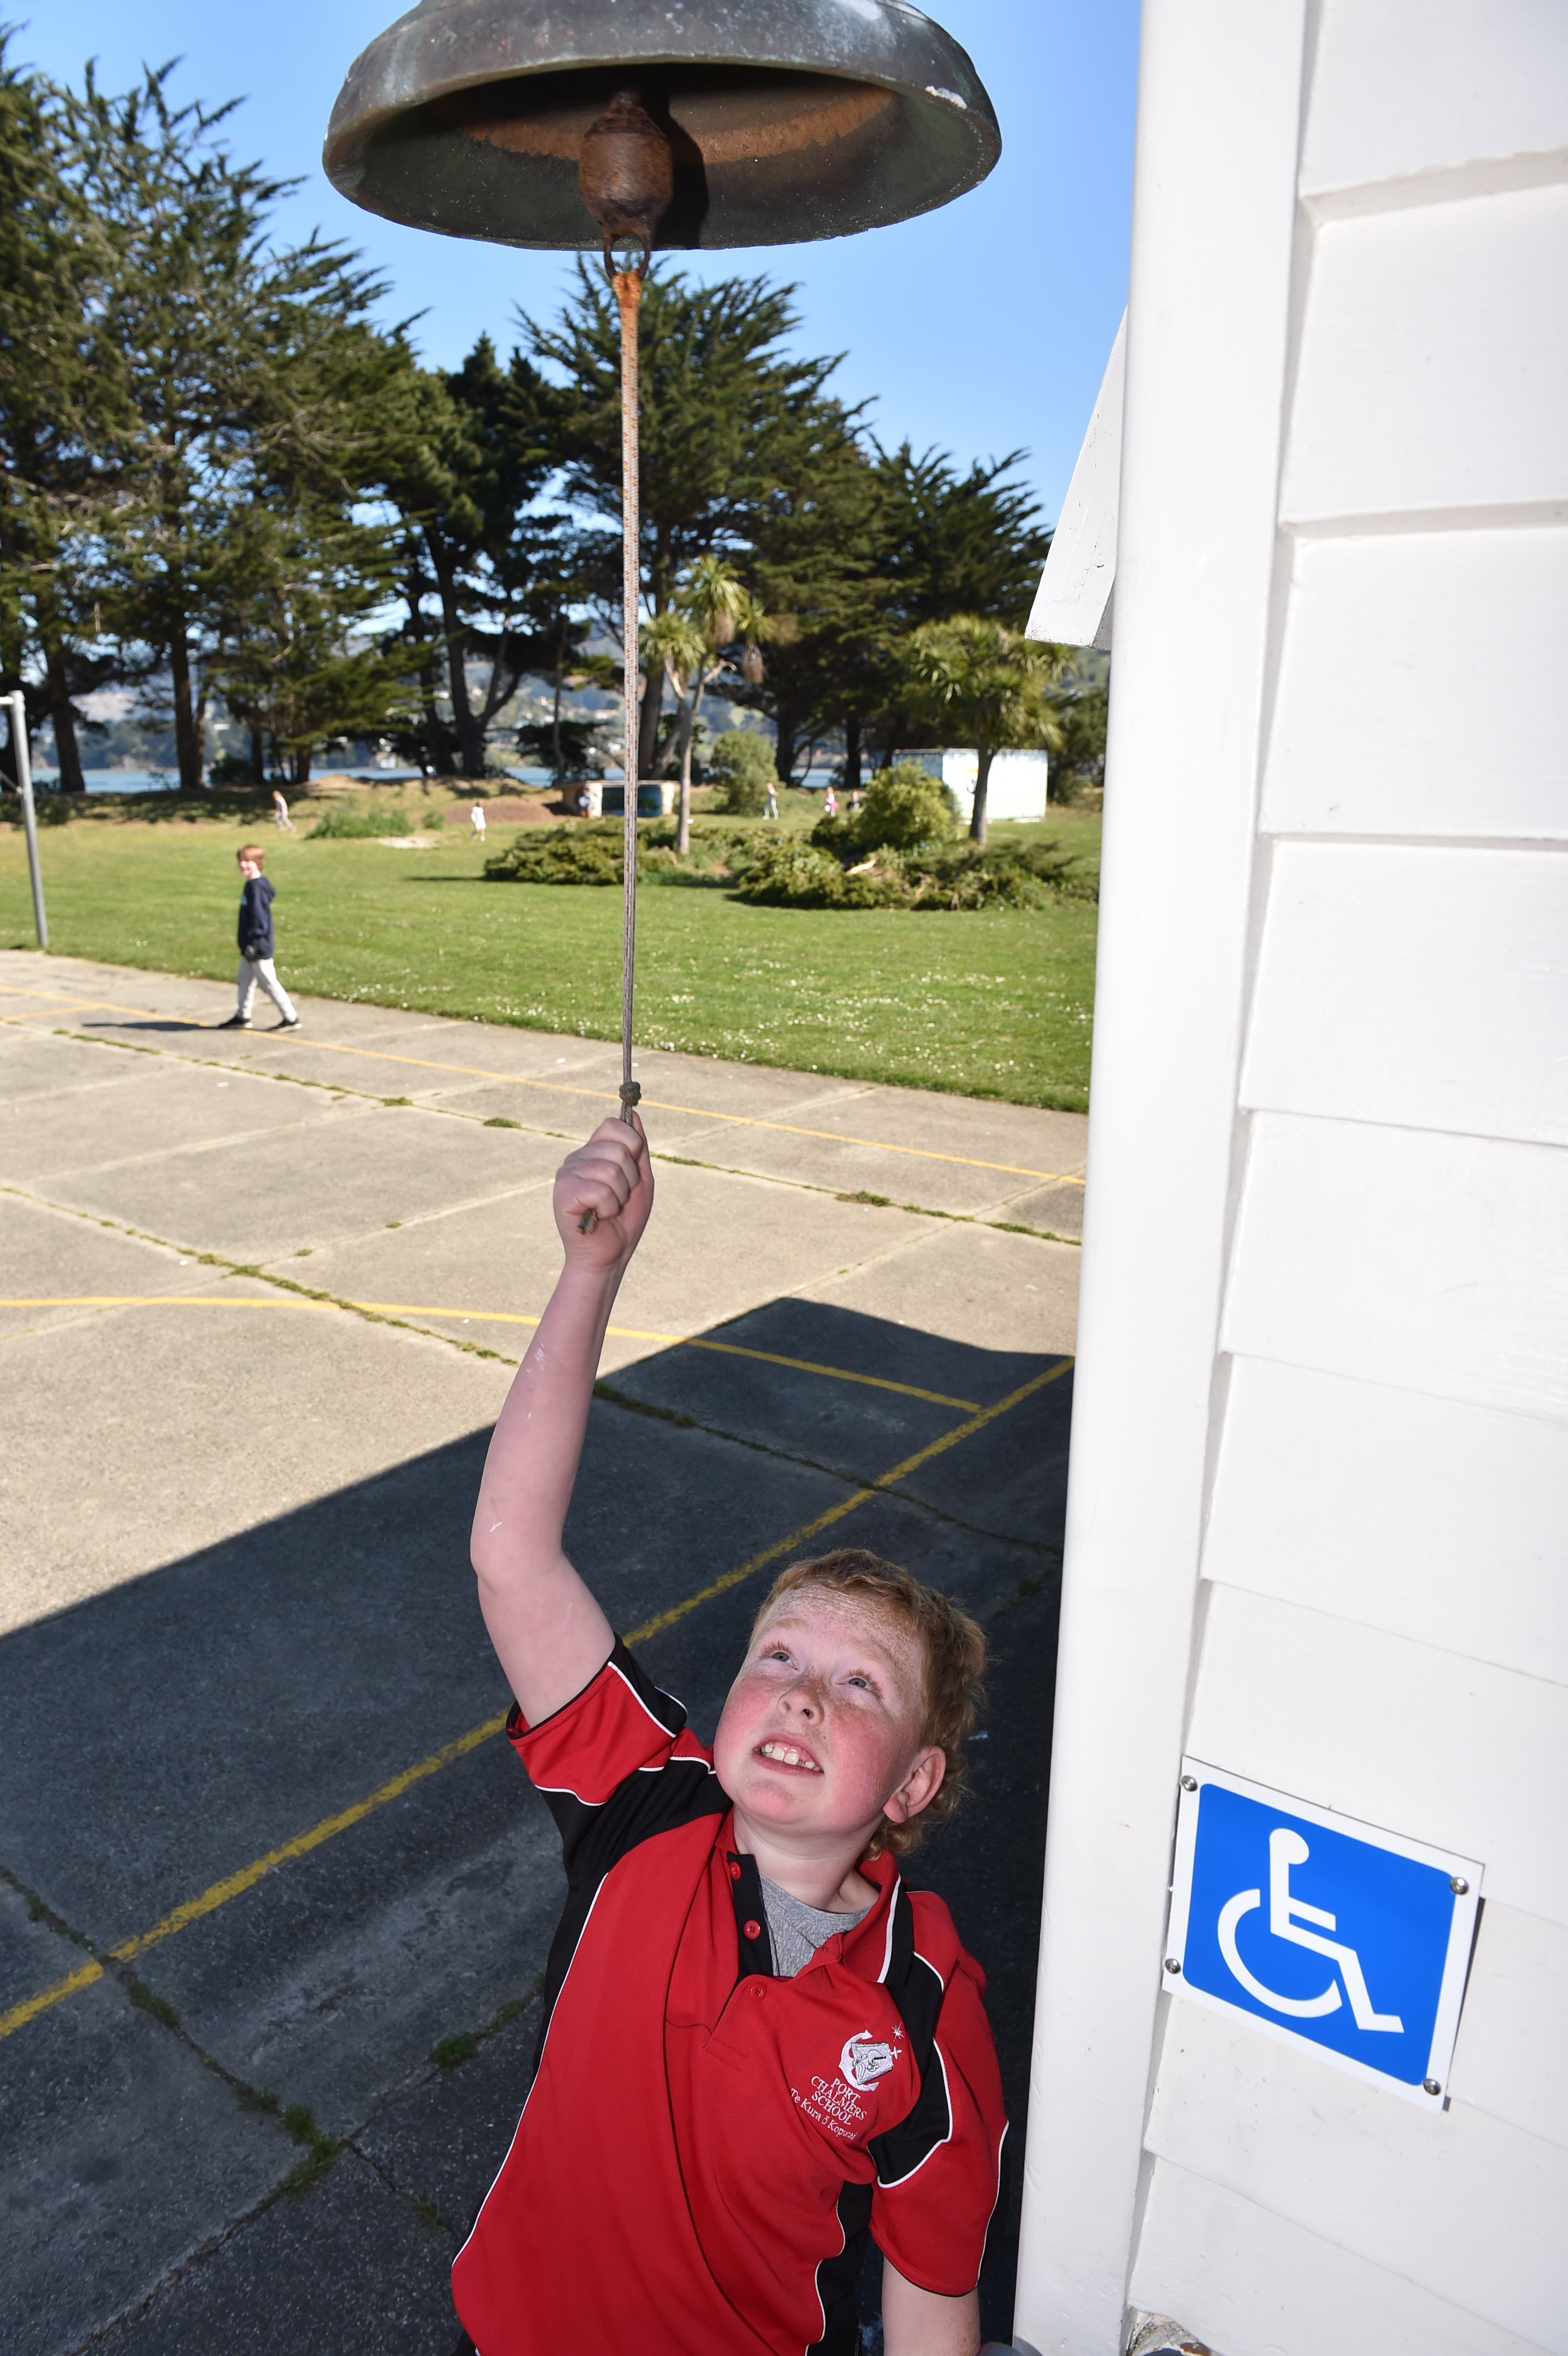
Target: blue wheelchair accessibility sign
(1321, 1929)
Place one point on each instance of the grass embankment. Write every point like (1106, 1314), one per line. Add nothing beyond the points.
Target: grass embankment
(989, 1004)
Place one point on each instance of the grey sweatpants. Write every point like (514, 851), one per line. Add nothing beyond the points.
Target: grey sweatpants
(261, 969)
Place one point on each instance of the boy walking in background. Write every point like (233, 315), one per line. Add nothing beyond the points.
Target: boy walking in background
(257, 946)
(759, 2047)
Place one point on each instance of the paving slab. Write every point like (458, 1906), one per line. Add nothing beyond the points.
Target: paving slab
(1027, 1135)
(254, 1200)
(964, 1367)
(857, 1429)
(169, 1109)
(1010, 1477)
(120, 2156)
(717, 1246)
(34, 1064)
(858, 1162)
(1053, 1210)
(140, 1435)
(166, 1732)
(443, 2140)
(964, 1281)
(49, 1254)
(427, 1066)
(33, 1953)
(347, 2270)
(331, 1984)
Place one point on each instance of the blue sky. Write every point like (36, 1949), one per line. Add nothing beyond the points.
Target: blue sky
(981, 328)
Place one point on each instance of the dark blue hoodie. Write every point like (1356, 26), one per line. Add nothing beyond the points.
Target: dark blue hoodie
(256, 917)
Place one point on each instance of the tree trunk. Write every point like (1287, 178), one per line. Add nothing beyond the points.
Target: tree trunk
(648, 726)
(687, 737)
(258, 754)
(470, 734)
(851, 757)
(982, 788)
(557, 758)
(57, 692)
(683, 823)
(438, 753)
(300, 765)
(187, 738)
(784, 750)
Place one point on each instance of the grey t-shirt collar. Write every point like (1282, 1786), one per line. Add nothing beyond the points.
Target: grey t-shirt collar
(797, 1929)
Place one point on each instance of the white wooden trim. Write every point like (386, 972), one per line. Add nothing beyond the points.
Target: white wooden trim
(1206, 377)
(1072, 604)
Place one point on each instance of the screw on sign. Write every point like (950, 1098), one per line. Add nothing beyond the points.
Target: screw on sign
(640, 129)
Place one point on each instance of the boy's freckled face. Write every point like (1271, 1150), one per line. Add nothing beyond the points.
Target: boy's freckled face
(823, 1724)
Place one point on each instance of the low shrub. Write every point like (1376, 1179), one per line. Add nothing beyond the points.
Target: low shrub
(741, 764)
(791, 874)
(361, 825)
(1002, 876)
(906, 808)
(591, 853)
(784, 872)
(566, 854)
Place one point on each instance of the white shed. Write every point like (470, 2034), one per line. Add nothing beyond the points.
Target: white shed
(1018, 785)
(1317, 1525)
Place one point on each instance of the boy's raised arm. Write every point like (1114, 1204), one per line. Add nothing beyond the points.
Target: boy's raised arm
(549, 1631)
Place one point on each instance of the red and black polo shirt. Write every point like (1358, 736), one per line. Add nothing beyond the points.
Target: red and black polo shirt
(706, 2146)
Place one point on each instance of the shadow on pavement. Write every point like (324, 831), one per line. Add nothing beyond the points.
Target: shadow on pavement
(353, 2023)
(121, 1023)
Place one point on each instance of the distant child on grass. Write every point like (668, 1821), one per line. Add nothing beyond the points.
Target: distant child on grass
(758, 2046)
(257, 946)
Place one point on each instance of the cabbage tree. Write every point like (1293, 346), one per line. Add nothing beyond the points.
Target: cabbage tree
(984, 684)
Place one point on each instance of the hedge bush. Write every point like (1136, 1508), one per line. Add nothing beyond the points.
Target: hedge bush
(354, 825)
(741, 764)
(564, 854)
(906, 808)
(804, 875)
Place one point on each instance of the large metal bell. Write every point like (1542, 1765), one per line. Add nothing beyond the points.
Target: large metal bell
(785, 119)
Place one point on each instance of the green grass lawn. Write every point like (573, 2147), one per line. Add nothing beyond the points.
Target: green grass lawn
(989, 1004)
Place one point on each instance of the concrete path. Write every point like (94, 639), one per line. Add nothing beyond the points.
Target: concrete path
(273, 1899)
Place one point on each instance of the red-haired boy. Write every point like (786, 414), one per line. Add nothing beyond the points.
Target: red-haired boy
(759, 2047)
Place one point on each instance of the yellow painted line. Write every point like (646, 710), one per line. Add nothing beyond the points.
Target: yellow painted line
(30, 2007)
(700, 1112)
(219, 1893)
(466, 1317)
(233, 1885)
(654, 1104)
(839, 1373)
(861, 1496)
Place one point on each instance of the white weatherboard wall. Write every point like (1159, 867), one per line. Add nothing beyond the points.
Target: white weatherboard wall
(1318, 1528)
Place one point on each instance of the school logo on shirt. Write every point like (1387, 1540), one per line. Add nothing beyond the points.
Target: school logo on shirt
(865, 2059)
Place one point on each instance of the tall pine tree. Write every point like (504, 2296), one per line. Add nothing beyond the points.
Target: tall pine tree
(63, 406)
